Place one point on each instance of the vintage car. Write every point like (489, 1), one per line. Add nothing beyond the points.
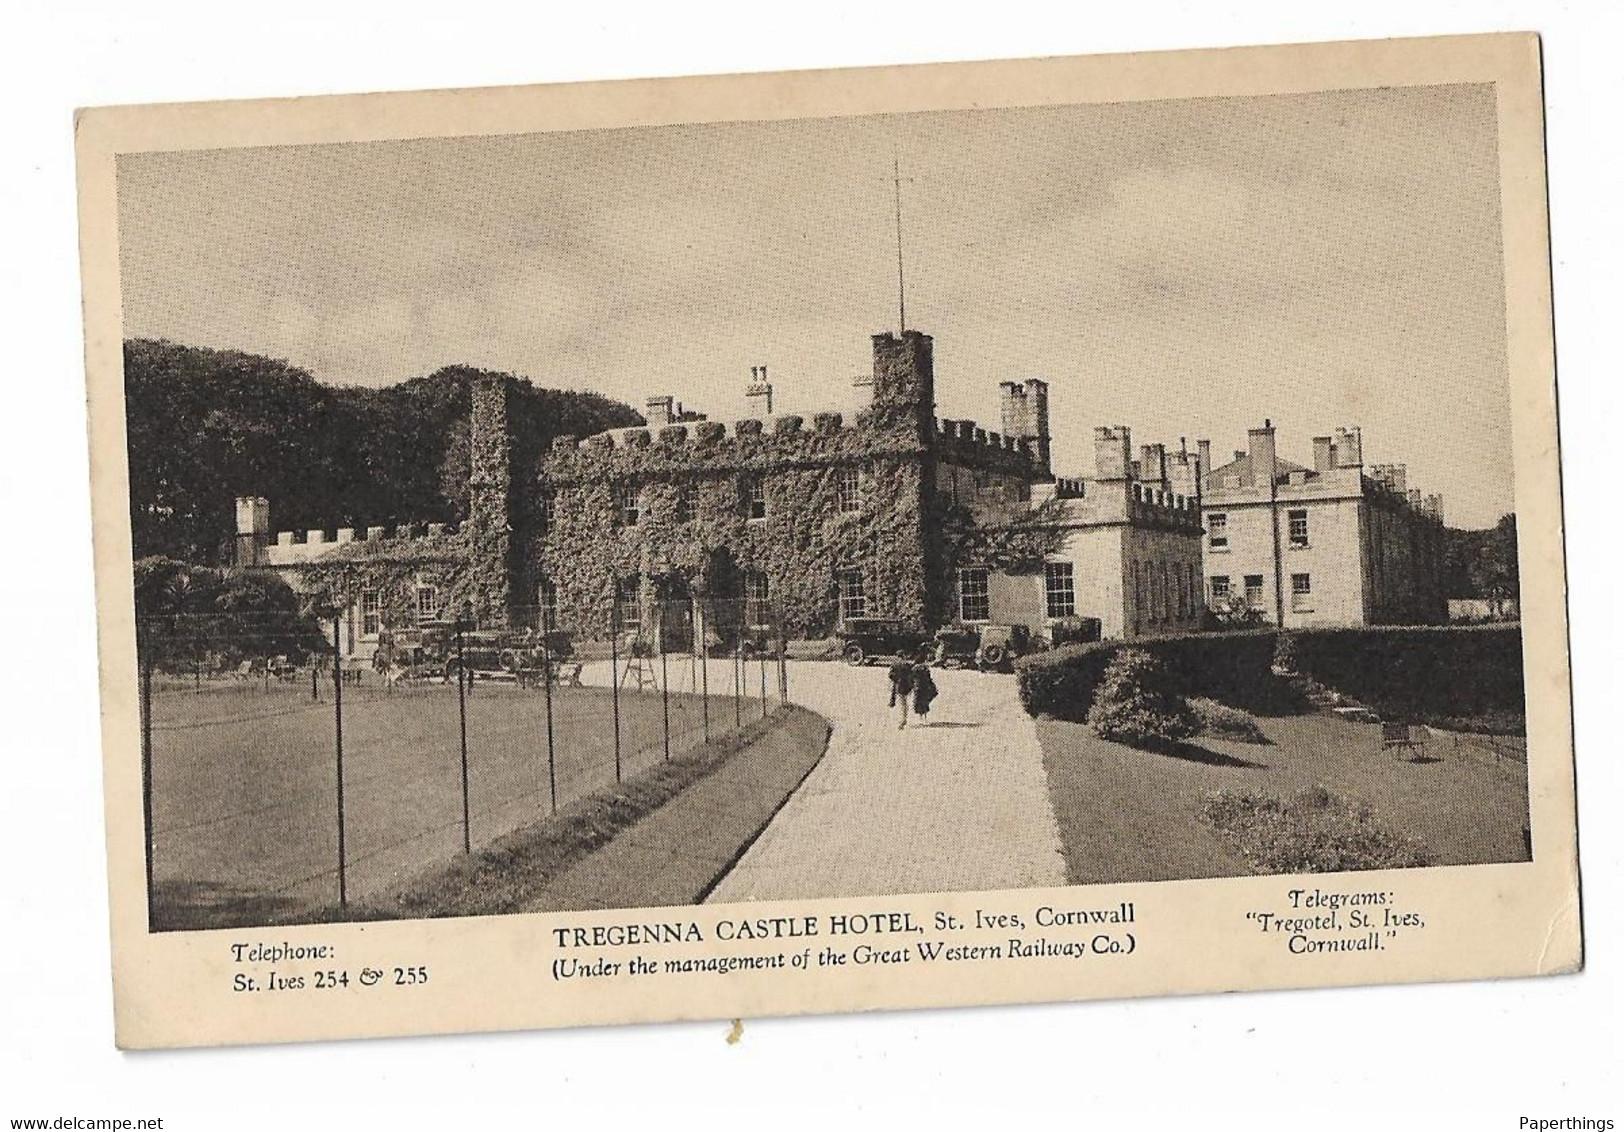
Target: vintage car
(756, 640)
(414, 652)
(987, 647)
(431, 648)
(867, 639)
(505, 652)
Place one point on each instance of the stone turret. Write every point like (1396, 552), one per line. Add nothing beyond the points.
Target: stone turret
(253, 529)
(905, 382)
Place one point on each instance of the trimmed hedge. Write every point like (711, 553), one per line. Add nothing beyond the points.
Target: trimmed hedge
(1233, 668)
(1419, 671)
(1423, 672)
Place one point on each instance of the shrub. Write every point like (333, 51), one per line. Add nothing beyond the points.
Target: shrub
(1427, 673)
(1224, 722)
(1285, 653)
(1232, 667)
(1135, 704)
(1458, 676)
(1315, 831)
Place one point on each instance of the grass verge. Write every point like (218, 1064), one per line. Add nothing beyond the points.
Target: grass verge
(512, 873)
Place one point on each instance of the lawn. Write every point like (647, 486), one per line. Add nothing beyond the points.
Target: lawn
(1132, 815)
(245, 813)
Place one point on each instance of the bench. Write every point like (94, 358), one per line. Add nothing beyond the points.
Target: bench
(565, 673)
(1398, 736)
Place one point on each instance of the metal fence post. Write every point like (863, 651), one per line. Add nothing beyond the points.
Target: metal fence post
(665, 685)
(614, 676)
(547, 688)
(146, 766)
(738, 680)
(762, 660)
(783, 659)
(462, 720)
(704, 672)
(338, 753)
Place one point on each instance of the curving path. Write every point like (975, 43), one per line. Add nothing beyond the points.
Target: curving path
(956, 804)
(959, 803)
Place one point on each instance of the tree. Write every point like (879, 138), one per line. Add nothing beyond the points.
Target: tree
(206, 426)
(1494, 567)
(186, 614)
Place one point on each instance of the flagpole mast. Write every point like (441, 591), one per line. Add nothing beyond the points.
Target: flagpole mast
(902, 295)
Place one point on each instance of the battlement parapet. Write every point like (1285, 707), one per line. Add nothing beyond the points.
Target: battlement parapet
(707, 432)
(294, 547)
(748, 443)
(965, 442)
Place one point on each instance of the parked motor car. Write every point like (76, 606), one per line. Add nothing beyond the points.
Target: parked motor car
(430, 648)
(1000, 645)
(987, 647)
(504, 652)
(867, 639)
(1074, 630)
(757, 640)
(956, 645)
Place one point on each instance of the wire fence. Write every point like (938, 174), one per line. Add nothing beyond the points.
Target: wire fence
(292, 764)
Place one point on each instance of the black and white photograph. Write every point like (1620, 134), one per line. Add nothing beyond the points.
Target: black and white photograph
(838, 507)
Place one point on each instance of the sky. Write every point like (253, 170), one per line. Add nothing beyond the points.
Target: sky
(1187, 268)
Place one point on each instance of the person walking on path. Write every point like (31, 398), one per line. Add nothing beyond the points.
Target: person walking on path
(924, 689)
(902, 682)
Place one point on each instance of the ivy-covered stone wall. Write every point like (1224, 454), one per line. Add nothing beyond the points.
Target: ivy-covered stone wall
(393, 569)
(488, 534)
(695, 532)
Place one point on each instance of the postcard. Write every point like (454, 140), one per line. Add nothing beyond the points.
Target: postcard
(828, 541)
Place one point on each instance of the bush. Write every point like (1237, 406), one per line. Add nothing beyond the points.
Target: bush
(1285, 653)
(1136, 706)
(1315, 831)
(1426, 673)
(1232, 667)
(1224, 722)
(1465, 677)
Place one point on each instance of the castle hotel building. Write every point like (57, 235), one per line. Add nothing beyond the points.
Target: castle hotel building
(1332, 544)
(895, 514)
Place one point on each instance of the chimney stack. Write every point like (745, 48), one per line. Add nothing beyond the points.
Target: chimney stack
(659, 410)
(1153, 464)
(1111, 449)
(1025, 411)
(1324, 454)
(759, 393)
(1348, 448)
(1260, 447)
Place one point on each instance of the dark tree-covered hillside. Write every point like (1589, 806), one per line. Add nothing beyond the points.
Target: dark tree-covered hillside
(1482, 564)
(206, 426)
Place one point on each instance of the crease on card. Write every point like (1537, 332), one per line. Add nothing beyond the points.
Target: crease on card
(1566, 963)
